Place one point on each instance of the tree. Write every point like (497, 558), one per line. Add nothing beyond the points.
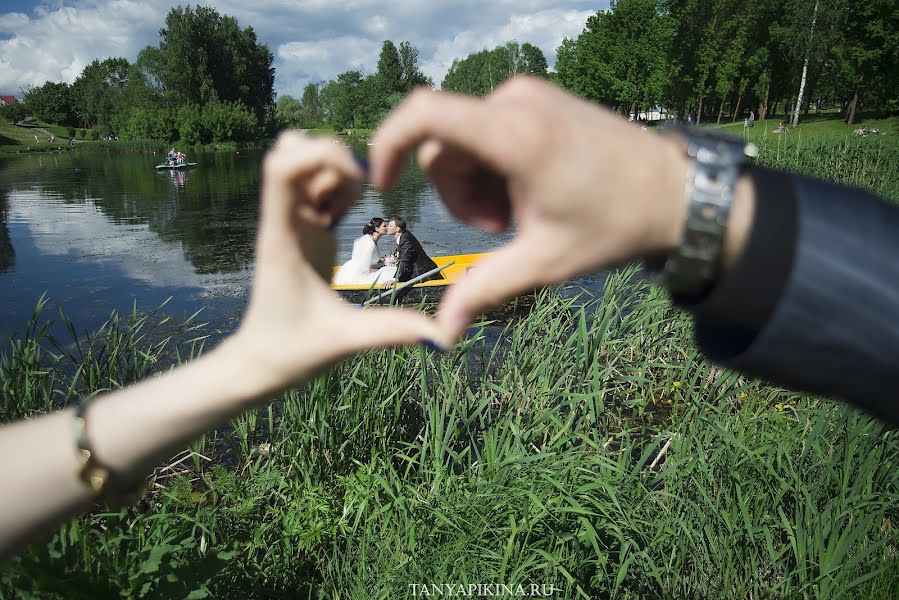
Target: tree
(289, 111)
(866, 53)
(312, 111)
(479, 73)
(808, 50)
(205, 56)
(621, 57)
(390, 67)
(412, 76)
(98, 90)
(534, 61)
(52, 102)
(346, 100)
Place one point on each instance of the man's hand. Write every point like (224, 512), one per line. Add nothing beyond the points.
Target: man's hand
(586, 188)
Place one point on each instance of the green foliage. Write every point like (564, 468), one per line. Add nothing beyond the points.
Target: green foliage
(390, 68)
(91, 134)
(584, 446)
(227, 121)
(148, 123)
(621, 57)
(412, 77)
(289, 111)
(204, 62)
(708, 59)
(481, 72)
(52, 102)
(190, 125)
(13, 112)
(204, 56)
(99, 89)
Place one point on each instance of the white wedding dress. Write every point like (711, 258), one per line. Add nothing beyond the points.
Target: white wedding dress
(360, 269)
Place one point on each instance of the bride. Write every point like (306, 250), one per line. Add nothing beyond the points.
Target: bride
(362, 269)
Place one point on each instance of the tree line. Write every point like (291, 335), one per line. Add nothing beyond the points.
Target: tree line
(711, 59)
(207, 80)
(354, 100)
(210, 80)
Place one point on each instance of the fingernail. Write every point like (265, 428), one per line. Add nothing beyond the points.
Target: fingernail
(336, 221)
(362, 162)
(432, 345)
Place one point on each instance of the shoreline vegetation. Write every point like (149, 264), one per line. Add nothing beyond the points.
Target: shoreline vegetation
(587, 445)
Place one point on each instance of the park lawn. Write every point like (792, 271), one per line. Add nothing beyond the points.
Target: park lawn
(823, 125)
(59, 131)
(15, 139)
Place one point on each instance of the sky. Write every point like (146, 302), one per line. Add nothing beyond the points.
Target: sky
(312, 40)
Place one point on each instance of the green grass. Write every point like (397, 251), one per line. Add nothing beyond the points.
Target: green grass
(588, 446)
(542, 457)
(826, 124)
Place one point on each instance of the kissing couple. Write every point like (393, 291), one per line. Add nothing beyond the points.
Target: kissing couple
(367, 267)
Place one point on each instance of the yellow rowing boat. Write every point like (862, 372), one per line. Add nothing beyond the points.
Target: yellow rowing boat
(460, 264)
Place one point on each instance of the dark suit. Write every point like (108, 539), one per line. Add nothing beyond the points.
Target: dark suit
(813, 302)
(411, 259)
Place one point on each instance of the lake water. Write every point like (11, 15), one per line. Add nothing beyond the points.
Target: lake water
(98, 233)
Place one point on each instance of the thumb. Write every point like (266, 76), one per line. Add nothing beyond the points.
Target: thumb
(504, 274)
(383, 327)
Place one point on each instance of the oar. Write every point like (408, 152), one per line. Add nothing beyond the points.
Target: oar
(408, 283)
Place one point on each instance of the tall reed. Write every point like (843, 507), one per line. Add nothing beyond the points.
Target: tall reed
(587, 446)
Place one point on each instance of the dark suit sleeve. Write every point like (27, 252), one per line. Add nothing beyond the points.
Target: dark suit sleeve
(813, 303)
(406, 259)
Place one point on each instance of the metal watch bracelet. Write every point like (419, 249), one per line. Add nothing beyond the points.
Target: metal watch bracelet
(715, 165)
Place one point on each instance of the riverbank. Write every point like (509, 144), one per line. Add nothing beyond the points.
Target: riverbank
(15, 139)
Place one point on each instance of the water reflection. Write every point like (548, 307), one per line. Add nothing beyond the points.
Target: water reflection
(7, 252)
(100, 232)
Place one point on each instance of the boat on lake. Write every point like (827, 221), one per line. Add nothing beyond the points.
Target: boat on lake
(452, 267)
(176, 166)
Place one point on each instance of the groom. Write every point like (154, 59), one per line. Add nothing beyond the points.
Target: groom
(411, 258)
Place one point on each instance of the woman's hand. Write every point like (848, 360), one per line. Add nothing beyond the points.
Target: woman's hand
(295, 325)
(584, 187)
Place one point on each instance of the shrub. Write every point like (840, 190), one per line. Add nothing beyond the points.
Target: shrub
(13, 112)
(70, 132)
(91, 134)
(143, 123)
(228, 121)
(191, 129)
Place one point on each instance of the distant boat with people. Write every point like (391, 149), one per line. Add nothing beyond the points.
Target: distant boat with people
(176, 165)
(175, 159)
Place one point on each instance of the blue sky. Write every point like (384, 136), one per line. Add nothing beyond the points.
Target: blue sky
(312, 40)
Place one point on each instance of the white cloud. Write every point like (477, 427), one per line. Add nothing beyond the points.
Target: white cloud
(311, 39)
(11, 22)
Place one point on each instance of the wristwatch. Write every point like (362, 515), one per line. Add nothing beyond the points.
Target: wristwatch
(716, 163)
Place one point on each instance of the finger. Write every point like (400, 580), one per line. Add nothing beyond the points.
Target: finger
(295, 159)
(472, 194)
(464, 122)
(383, 327)
(504, 274)
(333, 194)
